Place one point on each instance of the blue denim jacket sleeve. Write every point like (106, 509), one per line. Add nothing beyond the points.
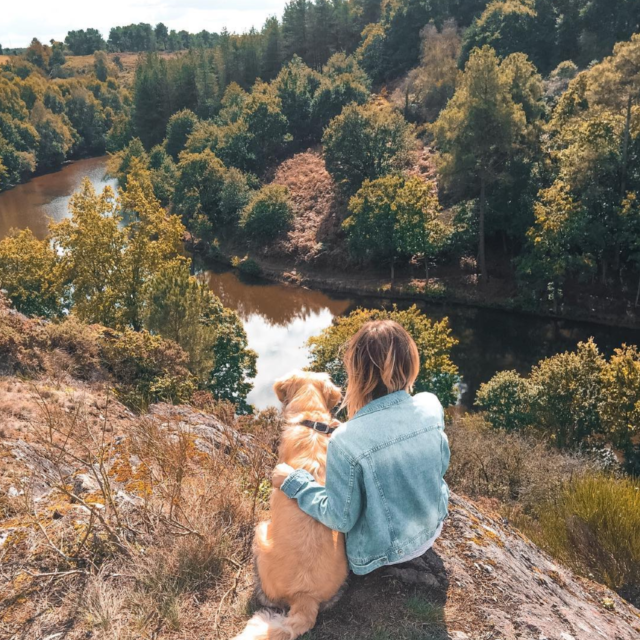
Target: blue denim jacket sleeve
(338, 504)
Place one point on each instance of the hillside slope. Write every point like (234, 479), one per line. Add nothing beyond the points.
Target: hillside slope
(483, 580)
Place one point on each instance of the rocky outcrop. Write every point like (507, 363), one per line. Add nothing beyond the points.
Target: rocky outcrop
(507, 586)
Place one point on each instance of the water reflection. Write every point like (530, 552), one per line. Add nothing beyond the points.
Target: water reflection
(278, 319)
(492, 341)
(46, 197)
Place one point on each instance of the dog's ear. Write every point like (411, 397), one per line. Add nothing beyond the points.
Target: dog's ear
(332, 394)
(281, 387)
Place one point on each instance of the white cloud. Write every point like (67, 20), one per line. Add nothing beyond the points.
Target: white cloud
(43, 19)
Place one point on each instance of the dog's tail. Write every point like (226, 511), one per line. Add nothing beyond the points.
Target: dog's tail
(268, 625)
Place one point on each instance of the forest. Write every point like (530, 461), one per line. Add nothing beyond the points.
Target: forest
(496, 141)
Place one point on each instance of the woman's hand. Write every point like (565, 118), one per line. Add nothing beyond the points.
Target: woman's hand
(280, 474)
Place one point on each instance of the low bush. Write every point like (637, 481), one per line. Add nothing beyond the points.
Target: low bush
(247, 266)
(268, 214)
(147, 368)
(517, 470)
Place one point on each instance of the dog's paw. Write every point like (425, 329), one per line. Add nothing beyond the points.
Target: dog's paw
(280, 474)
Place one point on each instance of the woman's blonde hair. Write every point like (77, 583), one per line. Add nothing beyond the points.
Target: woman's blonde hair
(380, 359)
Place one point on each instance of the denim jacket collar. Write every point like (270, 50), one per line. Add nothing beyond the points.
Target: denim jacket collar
(382, 403)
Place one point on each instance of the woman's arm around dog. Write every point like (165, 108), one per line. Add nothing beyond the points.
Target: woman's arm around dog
(339, 503)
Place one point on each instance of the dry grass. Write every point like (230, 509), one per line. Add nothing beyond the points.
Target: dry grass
(593, 525)
(81, 65)
(319, 210)
(129, 535)
(514, 471)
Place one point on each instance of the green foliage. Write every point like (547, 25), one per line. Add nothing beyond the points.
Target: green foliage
(101, 65)
(395, 216)
(507, 401)
(84, 42)
(295, 86)
(343, 82)
(29, 274)
(561, 399)
(152, 106)
(478, 132)
(184, 310)
(620, 410)
(235, 195)
(179, 128)
(268, 214)
(437, 374)
(201, 177)
(247, 266)
(147, 368)
(109, 265)
(559, 227)
(366, 142)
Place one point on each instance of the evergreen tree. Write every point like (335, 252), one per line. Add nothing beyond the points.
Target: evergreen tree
(478, 131)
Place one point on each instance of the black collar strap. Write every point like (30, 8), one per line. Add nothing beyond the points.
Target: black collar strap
(320, 427)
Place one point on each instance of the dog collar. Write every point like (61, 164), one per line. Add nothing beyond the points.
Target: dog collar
(320, 427)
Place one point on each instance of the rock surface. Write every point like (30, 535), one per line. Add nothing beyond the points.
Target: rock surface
(514, 587)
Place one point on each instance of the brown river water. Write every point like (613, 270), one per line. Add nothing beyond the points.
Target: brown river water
(279, 319)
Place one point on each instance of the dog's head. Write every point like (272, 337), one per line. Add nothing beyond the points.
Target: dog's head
(297, 388)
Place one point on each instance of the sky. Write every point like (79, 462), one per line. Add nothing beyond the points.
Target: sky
(22, 20)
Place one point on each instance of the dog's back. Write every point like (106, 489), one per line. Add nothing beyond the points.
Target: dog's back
(300, 563)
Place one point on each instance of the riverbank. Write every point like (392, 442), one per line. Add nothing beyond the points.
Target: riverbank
(460, 289)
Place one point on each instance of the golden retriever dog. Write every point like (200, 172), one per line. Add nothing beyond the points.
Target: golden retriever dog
(300, 563)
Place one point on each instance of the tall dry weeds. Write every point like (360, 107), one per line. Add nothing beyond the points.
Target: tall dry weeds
(137, 534)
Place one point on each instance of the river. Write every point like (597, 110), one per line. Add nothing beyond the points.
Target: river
(279, 319)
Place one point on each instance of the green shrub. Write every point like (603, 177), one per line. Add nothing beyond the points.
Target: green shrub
(146, 368)
(507, 400)
(247, 266)
(268, 214)
(562, 398)
(437, 374)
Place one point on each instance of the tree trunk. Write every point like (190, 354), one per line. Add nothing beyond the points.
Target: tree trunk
(426, 271)
(625, 150)
(393, 269)
(623, 177)
(482, 262)
(638, 293)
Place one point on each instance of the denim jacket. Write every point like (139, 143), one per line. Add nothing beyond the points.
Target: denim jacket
(384, 484)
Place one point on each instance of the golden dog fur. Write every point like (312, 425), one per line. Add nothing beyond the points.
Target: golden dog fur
(300, 562)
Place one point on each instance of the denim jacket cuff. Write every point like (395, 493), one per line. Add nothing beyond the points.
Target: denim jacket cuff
(296, 481)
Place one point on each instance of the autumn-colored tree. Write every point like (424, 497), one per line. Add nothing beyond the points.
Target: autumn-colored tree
(30, 274)
(108, 264)
(555, 242)
(438, 374)
(433, 82)
(621, 406)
